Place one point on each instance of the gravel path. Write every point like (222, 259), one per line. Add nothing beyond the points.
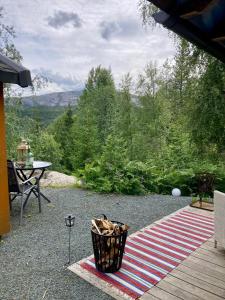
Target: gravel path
(33, 255)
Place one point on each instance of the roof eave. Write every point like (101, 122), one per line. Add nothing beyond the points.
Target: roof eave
(191, 34)
(19, 75)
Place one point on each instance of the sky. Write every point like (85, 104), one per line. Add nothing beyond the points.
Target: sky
(63, 39)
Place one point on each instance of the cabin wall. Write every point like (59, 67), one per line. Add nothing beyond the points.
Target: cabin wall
(4, 195)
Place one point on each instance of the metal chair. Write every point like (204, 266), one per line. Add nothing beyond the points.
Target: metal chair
(23, 189)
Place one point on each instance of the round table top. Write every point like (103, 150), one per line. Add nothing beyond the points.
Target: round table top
(37, 164)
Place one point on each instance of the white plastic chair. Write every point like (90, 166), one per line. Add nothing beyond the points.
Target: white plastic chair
(219, 209)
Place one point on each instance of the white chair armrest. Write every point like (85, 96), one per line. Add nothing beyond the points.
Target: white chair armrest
(219, 217)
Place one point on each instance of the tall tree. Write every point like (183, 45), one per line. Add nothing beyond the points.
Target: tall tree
(124, 116)
(100, 86)
(148, 130)
(207, 109)
(62, 131)
(94, 115)
(86, 143)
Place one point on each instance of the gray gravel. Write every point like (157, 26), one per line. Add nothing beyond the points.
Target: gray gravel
(33, 255)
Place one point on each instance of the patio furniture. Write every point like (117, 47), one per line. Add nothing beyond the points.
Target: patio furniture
(23, 189)
(38, 168)
(205, 184)
(219, 205)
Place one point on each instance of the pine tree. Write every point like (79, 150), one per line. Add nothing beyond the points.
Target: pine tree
(62, 131)
(94, 116)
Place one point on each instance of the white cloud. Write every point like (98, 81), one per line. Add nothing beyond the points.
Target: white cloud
(84, 34)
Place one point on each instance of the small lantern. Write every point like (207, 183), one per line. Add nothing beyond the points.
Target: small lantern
(69, 220)
(22, 151)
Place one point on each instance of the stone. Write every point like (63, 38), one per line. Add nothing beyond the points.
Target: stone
(57, 179)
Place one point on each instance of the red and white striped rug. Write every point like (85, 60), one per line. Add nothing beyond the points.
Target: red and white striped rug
(154, 252)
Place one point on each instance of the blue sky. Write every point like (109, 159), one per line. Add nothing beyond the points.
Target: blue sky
(64, 39)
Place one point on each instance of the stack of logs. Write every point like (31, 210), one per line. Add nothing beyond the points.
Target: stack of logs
(108, 240)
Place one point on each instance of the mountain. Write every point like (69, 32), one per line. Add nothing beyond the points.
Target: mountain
(53, 99)
(46, 108)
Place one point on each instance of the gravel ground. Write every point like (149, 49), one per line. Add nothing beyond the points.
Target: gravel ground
(33, 255)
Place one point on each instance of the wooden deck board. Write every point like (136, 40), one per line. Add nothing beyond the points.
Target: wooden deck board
(217, 260)
(172, 289)
(206, 264)
(211, 252)
(198, 282)
(200, 276)
(160, 294)
(192, 288)
(219, 250)
(204, 268)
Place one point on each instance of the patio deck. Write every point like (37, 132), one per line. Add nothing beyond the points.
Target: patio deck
(200, 276)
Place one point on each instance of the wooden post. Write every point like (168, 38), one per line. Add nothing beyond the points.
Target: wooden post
(4, 194)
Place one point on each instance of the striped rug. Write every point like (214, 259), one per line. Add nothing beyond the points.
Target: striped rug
(155, 251)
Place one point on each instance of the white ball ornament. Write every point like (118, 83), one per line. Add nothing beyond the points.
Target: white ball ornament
(176, 192)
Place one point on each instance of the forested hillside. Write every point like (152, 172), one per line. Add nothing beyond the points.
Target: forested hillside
(43, 114)
(171, 130)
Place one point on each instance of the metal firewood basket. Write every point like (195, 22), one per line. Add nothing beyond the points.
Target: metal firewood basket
(108, 250)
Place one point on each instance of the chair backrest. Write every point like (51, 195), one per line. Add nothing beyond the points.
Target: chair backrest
(13, 182)
(205, 182)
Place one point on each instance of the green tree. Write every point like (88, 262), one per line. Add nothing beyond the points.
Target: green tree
(7, 36)
(46, 148)
(207, 109)
(100, 86)
(94, 116)
(149, 127)
(124, 114)
(62, 131)
(86, 144)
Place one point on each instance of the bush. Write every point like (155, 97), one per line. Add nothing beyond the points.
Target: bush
(130, 178)
(113, 172)
(136, 178)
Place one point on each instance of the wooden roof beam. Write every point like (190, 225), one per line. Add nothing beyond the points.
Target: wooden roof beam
(199, 9)
(219, 39)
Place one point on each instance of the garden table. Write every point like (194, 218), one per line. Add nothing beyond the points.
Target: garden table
(26, 172)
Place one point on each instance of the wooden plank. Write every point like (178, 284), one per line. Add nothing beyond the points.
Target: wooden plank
(219, 250)
(199, 10)
(175, 291)
(219, 39)
(190, 14)
(161, 294)
(209, 252)
(217, 260)
(203, 205)
(201, 275)
(204, 269)
(4, 200)
(206, 286)
(210, 244)
(148, 296)
(202, 212)
(208, 264)
(188, 287)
